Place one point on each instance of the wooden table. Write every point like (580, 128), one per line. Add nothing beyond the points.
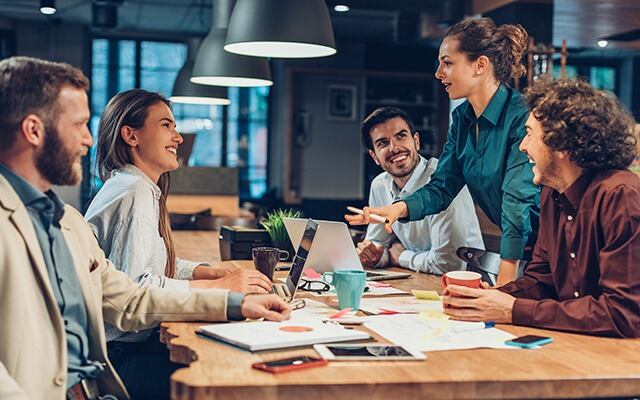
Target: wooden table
(573, 366)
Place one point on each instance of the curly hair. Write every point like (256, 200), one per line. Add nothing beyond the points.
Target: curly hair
(504, 45)
(591, 125)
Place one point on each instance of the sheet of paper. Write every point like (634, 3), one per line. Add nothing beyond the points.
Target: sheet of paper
(428, 334)
(399, 305)
(313, 310)
(318, 311)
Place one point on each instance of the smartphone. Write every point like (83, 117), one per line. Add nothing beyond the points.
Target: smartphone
(289, 364)
(374, 351)
(529, 341)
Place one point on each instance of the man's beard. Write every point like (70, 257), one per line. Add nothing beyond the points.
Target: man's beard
(55, 162)
(415, 159)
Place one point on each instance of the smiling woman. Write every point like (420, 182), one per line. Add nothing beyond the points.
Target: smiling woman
(137, 148)
(478, 60)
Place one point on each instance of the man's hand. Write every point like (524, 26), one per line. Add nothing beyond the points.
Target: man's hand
(392, 213)
(394, 253)
(247, 281)
(477, 304)
(269, 307)
(369, 253)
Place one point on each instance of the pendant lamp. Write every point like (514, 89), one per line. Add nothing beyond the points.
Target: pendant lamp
(214, 66)
(184, 91)
(281, 29)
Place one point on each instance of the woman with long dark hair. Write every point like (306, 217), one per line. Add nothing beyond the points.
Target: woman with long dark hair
(137, 147)
(477, 61)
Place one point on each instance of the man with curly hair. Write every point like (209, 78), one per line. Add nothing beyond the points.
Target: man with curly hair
(584, 276)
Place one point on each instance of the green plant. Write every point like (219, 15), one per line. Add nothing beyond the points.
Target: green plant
(274, 224)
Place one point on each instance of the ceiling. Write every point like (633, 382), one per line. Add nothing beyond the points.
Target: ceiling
(581, 22)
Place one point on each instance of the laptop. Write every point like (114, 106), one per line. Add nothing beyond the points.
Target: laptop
(287, 290)
(333, 249)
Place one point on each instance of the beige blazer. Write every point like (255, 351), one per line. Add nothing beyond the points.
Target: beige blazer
(33, 358)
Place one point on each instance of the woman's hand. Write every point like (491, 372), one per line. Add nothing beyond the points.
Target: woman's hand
(247, 281)
(208, 272)
(391, 212)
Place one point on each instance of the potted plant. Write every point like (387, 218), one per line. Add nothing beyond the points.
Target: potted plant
(274, 224)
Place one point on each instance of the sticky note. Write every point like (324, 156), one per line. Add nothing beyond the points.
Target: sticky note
(311, 273)
(432, 314)
(426, 294)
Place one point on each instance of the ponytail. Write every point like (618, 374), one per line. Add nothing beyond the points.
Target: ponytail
(504, 46)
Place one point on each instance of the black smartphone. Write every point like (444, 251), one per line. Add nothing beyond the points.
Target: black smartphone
(289, 364)
(529, 341)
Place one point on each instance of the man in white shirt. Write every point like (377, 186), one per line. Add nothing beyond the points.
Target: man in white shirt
(428, 245)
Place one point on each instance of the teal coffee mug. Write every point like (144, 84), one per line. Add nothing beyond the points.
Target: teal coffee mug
(349, 285)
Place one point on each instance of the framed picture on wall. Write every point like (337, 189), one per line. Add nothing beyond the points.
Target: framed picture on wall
(341, 103)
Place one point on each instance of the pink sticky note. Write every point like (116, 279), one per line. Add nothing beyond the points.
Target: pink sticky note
(340, 313)
(311, 273)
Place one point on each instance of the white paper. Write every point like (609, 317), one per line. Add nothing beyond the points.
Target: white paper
(427, 334)
(317, 311)
(399, 304)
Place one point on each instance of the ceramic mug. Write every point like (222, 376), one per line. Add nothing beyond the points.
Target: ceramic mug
(266, 258)
(349, 284)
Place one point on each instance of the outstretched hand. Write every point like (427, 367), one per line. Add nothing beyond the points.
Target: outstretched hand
(391, 212)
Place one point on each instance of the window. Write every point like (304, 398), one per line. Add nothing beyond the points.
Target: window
(233, 136)
(600, 77)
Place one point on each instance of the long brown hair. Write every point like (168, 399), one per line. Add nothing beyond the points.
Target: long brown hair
(131, 108)
(503, 45)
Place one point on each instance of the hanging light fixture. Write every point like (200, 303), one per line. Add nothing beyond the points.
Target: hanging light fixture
(48, 7)
(214, 66)
(184, 91)
(281, 28)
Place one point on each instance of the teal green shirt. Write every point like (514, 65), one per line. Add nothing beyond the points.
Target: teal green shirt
(498, 175)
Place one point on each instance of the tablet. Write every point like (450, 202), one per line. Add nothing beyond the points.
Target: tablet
(373, 351)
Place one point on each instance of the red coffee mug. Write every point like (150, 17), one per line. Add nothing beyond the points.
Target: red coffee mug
(462, 278)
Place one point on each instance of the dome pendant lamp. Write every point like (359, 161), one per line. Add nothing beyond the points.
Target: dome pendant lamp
(214, 66)
(281, 29)
(184, 91)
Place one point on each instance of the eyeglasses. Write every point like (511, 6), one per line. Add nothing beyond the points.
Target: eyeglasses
(314, 286)
(297, 304)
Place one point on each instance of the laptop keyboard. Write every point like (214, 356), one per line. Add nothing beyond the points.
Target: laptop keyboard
(280, 290)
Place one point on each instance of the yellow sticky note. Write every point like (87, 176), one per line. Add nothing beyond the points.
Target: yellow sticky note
(433, 315)
(426, 294)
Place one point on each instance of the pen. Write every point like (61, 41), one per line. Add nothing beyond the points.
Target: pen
(372, 216)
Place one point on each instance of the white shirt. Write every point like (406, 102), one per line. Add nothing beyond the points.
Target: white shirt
(124, 217)
(430, 243)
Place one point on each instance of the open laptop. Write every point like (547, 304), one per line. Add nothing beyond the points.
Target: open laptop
(287, 290)
(333, 249)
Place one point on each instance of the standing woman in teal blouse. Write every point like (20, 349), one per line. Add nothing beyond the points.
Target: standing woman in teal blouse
(476, 62)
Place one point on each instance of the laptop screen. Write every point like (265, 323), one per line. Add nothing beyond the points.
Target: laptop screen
(301, 256)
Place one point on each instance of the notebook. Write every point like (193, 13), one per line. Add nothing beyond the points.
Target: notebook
(256, 336)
